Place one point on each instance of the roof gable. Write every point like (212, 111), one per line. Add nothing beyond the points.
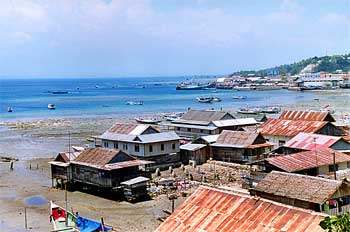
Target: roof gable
(237, 138)
(309, 141)
(289, 127)
(131, 129)
(309, 188)
(209, 209)
(206, 115)
(306, 116)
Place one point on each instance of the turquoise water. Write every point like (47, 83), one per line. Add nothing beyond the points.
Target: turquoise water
(29, 98)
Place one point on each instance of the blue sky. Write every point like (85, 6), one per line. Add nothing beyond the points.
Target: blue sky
(107, 38)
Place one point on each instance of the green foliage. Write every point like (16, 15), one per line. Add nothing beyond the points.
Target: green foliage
(325, 64)
(339, 223)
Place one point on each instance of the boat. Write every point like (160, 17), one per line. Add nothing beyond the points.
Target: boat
(140, 103)
(58, 92)
(205, 99)
(247, 87)
(61, 219)
(9, 109)
(148, 120)
(51, 106)
(239, 97)
(247, 110)
(271, 110)
(216, 99)
(194, 86)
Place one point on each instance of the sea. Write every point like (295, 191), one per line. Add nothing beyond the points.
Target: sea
(88, 97)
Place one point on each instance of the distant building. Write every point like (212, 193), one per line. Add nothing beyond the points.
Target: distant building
(239, 146)
(308, 192)
(210, 209)
(144, 142)
(197, 123)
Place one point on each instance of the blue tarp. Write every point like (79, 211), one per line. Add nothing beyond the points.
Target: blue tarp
(87, 225)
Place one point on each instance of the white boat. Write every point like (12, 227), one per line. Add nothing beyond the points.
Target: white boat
(148, 120)
(239, 97)
(249, 110)
(9, 109)
(58, 217)
(140, 103)
(216, 99)
(205, 99)
(51, 106)
(271, 110)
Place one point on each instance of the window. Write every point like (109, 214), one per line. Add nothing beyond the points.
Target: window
(162, 147)
(210, 132)
(201, 130)
(348, 164)
(137, 148)
(105, 143)
(125, 146)
(150, 148)
(188, 129)
(281, 143)
(115, 145)
(267, 140)
(331, 168)
(173, 147)
(178, 128)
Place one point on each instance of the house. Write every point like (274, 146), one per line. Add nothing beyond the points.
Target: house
(105, 168)
(306, 116)
(144, 142)
(198, 153)
(209, 209)
(196, 123)
(280, 131)
(60, 170)
(308, 192)
(314, 162)
(311, 142)
(239, 146)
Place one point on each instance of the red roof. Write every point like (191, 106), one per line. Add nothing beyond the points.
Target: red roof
(289, 127)
(209, 209)
(308, 141)
(308, 159)
(306, 116)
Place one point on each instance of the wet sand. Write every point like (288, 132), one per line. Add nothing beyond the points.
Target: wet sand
(35, 142)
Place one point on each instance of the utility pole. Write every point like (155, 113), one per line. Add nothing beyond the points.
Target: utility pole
(65, 198)
(334, 166)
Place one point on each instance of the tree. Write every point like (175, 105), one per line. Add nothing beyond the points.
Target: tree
(339, 223)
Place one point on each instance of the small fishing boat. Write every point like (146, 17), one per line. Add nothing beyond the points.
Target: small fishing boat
(239, 97)
(58, 92)
(249, 110)
(140, 103)
(271, 110)
(9, 109)
(148, 120)
(51, 106)
(62, 220)
(216, 99)
(205, 99)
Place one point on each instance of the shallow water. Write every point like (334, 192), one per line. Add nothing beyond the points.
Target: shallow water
(36, 200)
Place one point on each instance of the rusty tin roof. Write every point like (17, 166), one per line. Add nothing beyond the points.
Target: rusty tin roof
(306, 116)
(209, 209)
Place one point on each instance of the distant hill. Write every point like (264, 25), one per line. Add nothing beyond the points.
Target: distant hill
(314, 64)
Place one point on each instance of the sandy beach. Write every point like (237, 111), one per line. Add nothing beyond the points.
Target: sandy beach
(35, 142)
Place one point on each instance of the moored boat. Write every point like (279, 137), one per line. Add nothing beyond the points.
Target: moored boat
(194, 86)
(205, 99)
(271, 110)
(58, 92)
(51, 106)
(248, 110)
(139, 103)
(239, 97)
(148, 120)
(216, 99)
(62, 220)
(9, 109)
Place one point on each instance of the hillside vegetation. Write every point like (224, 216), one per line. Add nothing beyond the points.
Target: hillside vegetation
(314, 64)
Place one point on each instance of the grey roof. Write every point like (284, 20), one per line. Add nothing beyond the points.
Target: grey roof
(235, 122)
(210, 138)
(205, 115)
(136, 180)
(205, 127)
(117, 137)
(192, 146)
(158, 137)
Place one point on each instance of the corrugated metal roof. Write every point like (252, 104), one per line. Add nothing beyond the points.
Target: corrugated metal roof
(235, 122)
(289, 127)
(210, 138)
(128, 129)
(205, 127)
(192, 146)
(117, 137)
(158, 137)
(205, 115)
(125, 164)
(308, 141)
(136, 180)
(241, 138)
(306, 116)
(308, 159)
(297, 186)
(209, 209)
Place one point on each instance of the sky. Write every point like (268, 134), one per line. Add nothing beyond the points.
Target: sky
(128, 38)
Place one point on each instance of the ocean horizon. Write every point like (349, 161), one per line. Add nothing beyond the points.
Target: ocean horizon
(89, 97)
